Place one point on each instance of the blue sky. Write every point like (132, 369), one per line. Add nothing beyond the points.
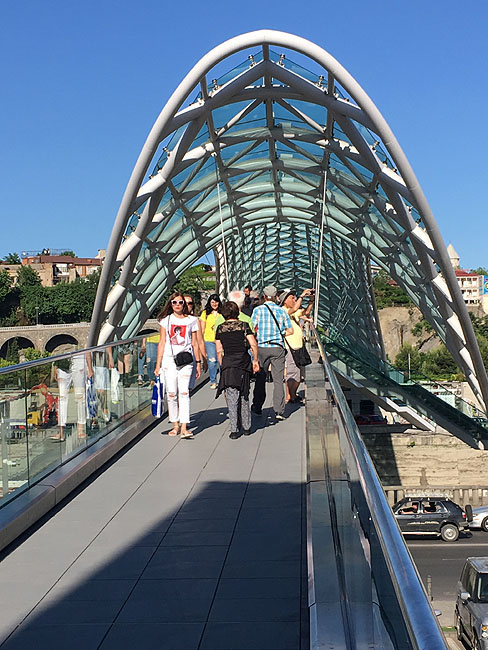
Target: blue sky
(83, 83)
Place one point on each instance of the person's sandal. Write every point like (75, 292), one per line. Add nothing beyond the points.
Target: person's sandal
(187, 434)
(174, 431)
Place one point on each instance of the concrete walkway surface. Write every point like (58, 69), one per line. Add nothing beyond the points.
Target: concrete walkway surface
(177, 545)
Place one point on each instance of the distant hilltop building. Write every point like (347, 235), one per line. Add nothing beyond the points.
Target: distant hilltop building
(53, 269)
(453, 256)
(474, 287)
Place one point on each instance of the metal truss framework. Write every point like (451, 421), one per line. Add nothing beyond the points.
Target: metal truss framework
(279, 170)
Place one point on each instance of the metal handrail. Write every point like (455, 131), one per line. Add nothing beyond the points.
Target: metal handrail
(419, 618)
(66, 355)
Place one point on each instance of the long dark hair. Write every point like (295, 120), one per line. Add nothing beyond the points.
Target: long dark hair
(208, 306)
(167, 310)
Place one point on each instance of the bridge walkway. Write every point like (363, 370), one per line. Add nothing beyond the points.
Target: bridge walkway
(178, 544)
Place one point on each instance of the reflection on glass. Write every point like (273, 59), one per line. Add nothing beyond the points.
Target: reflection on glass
(13, 431)
(53, 409)
(42, 405)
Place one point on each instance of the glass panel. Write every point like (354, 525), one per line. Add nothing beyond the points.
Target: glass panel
(303, 72)
(147, 351)
(242, 67)
(100, 413)
(45, 449)
(69, 383)
(127, 355)
(52, 410)
(14, 435)
(223, 114)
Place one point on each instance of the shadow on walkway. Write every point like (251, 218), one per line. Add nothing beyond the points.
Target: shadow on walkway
(226, 570)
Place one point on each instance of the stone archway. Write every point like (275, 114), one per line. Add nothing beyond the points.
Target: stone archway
(21, 343)
(61, 343)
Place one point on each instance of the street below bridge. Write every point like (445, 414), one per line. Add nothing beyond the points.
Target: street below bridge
(443, 562)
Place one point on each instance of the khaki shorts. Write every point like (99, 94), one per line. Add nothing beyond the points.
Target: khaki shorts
(292, 370)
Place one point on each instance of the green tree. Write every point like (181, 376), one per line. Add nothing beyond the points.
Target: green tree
(12, 354)
(5, 285)
(422, 326)
(480, 325)
(439, 364)
(28, 277)
(30, 294)
(388, 293)
(31, 354)
(12, 258)
(402, 358)
(32, 305)
(9, 299)
(480, 271)
(68, 254)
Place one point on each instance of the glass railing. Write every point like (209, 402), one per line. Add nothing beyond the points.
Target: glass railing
(383, 375)
(398, 614)
(416, 378)
(53, 409)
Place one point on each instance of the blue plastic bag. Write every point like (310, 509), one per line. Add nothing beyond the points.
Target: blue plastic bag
(157, 398)
(91, 398)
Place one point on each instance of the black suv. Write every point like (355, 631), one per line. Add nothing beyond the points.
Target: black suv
(431, 516)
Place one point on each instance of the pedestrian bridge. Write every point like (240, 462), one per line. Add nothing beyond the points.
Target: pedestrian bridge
(281, 539)
(271, 156)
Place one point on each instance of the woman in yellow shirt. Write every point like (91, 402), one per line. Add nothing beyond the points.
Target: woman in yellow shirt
(207, 324)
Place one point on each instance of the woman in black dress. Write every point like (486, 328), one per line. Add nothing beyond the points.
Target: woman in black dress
(233, 339)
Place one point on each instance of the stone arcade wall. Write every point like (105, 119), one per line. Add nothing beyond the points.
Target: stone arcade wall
(40, 335)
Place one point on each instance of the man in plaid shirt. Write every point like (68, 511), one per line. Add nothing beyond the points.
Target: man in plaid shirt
(271, 324)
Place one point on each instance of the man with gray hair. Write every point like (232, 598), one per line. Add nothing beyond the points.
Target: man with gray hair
(271, 324)
(238, 297)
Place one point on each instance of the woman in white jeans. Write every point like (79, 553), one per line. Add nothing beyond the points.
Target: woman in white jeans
(179, 334)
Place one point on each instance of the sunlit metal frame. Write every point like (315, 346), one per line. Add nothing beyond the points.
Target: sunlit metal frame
(277, 205)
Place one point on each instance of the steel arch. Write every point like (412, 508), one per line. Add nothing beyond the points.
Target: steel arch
(266, 138)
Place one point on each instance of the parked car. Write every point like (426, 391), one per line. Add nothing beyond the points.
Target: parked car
(431, 516)
(480, 518)
(471, 611)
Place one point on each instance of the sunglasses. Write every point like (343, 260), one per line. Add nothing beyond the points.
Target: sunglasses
(177, 302)
(189, 302)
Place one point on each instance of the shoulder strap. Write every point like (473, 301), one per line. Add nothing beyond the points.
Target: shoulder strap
(168, 334)
(277, 324)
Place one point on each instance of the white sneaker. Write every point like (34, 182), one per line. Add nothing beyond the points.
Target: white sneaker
(213, 385)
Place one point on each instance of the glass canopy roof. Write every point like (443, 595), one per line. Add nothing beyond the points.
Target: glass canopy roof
(283, 172)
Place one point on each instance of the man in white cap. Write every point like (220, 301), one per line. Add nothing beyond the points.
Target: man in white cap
(271, 324)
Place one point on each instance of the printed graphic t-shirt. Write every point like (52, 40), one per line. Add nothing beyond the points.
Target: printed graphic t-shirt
(178, 334)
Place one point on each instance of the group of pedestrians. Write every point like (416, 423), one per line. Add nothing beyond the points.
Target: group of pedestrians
(239, 340)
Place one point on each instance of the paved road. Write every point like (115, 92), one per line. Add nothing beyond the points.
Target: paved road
(444, 561)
